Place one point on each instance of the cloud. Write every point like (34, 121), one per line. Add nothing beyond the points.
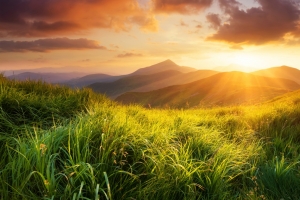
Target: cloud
(32, 18)
(85, 60)
(258, 25)
(214, 20)
(236, 47)
(126, 55)
(45, 45)
(146, 23)
(180, 6)
(39, 59)
(182, 23)
(228, 5)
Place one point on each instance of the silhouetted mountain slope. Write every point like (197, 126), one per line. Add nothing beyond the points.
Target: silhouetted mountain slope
(47, 77)
(177, 80)
(221, 89)
(280, 72)
(90, 79)
(129, 83)
(162, 66)
(103, 78)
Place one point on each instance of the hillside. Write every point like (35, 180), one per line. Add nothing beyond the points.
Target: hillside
(90, 79)
(100, 80)
(280, 72)
(131, 82)
(59, 143)
(180, 79)
(47, 77)
(229, 88)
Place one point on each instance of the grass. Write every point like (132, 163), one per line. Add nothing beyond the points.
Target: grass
(58, 143)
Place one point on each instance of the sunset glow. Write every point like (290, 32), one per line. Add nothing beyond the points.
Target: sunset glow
(117, 37)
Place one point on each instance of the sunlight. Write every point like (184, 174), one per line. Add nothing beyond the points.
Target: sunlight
(247, 61)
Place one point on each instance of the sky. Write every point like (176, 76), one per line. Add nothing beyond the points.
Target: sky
(120, 36)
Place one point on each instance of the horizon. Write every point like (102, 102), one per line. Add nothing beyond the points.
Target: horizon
(207, 34)
(67, 70)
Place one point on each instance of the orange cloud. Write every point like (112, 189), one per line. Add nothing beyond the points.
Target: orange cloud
(45, 45)
(29, 18)
(180, 6)
(269, 22)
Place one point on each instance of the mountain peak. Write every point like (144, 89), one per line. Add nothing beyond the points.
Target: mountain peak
(287, 67)
(162, 66)
(169, 61)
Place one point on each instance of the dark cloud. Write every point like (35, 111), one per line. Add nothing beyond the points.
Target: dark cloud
(228, 5)
(126, 55)
(269, 22)
(214, 20)
(198, 26)
(31, 18)
(181, 6)
(45, 45)
(56, 26)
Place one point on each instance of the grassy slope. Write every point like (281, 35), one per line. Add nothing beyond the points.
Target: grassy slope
(97, 149)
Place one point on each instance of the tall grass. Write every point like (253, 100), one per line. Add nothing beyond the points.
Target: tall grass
(58, 143)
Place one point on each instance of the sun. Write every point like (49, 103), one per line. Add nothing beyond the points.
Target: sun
(243, 59)
(248, 62)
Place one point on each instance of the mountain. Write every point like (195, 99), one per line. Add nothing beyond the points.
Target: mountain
(52, 70)
(227, 88)
(131, 82)
(280, 72)
(47, 77)
(104, 78)
(162, 66)
(90, 79)
(179, 79)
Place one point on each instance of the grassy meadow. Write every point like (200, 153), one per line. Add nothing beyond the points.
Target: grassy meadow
(58, 143)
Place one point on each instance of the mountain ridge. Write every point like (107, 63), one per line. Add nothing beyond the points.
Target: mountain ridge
(162, 66)
(127, 83)
(280, 72)
(220, 89)
(47, 77)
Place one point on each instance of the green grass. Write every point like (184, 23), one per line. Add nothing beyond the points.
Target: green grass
(58, 143)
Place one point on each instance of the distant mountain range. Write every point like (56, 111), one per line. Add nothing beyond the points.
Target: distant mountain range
(47, 70)
(228, 88)
(168, 84)
(281, 72)
(98, 81)
(129, 83)
(146, 80)
(91, 79)
(47, 77)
